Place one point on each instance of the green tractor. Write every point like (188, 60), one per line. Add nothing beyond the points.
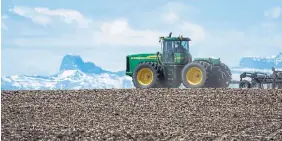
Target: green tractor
(174, 65)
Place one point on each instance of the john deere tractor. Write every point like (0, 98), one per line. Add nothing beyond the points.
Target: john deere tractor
(174, 65)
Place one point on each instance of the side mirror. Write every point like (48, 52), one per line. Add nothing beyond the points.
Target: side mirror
(158, 58)
(158, 54)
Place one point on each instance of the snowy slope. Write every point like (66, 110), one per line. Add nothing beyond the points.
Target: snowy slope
(68, 79)
(262, 62)
(74, 74)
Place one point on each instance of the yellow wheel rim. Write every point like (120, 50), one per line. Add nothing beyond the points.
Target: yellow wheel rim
(194, 76)
(145, 76)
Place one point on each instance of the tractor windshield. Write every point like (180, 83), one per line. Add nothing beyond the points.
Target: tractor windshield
(171, 47)
(180, 46)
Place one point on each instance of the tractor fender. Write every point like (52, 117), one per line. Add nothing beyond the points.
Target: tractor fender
(213, 61)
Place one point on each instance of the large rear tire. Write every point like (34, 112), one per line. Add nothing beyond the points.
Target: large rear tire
(220, 77)
(226, 75)
(215, 77)
(194, 75)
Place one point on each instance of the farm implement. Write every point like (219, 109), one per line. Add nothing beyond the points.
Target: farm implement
(259, 80)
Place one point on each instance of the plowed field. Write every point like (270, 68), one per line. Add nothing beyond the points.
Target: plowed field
(142, 114)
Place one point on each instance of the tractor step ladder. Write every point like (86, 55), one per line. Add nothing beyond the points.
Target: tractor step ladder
(170, 76)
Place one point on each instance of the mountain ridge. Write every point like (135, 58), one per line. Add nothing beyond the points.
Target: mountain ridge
(261, 62)
(75, 62)
(74, 73)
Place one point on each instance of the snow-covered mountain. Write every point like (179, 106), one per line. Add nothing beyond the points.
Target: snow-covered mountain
(76, 74)
(257, 64)
(262, 62)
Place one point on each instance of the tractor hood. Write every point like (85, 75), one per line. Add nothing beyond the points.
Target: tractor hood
(143, 56)
(133, 60)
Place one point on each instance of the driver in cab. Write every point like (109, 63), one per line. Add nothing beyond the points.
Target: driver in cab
(179, 48)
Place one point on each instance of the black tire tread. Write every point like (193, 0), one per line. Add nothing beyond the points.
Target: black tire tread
(217, 78)
(208, 68)
(226, 75)
(244, 82)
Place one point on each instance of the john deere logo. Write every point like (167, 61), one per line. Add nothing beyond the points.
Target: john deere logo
(152, 56)
(147, 57)
(178, 58)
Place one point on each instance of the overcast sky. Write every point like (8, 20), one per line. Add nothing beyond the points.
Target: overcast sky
(36, 34)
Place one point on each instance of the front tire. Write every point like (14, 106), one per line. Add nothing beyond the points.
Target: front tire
(145, 76)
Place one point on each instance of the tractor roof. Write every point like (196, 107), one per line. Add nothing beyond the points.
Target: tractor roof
(175, 38)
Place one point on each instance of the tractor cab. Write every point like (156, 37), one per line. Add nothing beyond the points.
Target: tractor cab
(175, 50)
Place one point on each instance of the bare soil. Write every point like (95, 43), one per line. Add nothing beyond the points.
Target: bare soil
(142, 114)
